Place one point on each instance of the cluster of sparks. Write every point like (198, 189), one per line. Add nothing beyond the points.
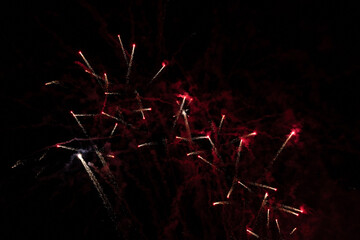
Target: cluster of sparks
(267, 207)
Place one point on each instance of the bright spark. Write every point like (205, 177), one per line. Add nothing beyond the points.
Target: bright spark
(292, 208)
(86, 62)
(292, 231)
(277, 225)
(194, 153)
(221, 123)
(147, 144)
(98, 187)
(130, 64)
(112, 132)
(68, 148)
(157, 74)
(282, 147)
(179, 112)
(187, 125)
(263, 186)
(288, 211)
(123, 50)
(252, 233)
(52, 82)
(238, 181)
(221, 203)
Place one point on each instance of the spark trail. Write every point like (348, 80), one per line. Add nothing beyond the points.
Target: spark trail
(98, 187)
(221, 123)
(157, 74)
(123, 50)
(187, 125)
(130, 64)
(282, 147)
(179, 112)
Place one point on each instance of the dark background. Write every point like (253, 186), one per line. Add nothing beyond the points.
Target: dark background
(283, 64)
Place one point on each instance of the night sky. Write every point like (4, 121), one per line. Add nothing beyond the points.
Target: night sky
(268, 67)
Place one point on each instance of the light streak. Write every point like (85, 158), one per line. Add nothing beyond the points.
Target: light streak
(130, 64)
(238, 181)
(182, 138)
(112, 93)
(98, 187)
(142, 110)
(263, 186)
(179, 112)
(200, 137)
(106, 89)
(288, 211)
(110, 116)
(230, 191)
(277, 225)
(157, 74)
(67, 148)
(268, 218)
(213, 147)
(86, 62)
(147, 144)
(140, 105)
(264, 200)
(292, 231)
(52, 82)
(123, 50)
(187, 125)
(221, 123)
(221, 203)
(238, 157)
(205, 160)
(252, 233)
(282, 147)
(250, 134)
(292, 208)
(85, 115)
(79, 123)
(113, 130)
(194, 153)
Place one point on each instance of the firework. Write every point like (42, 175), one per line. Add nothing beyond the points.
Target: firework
(52, 82)
(292, 231)
(147, 144)
(68, 148)
(281, 148)
(179, 112)
(130, 64)
(239, 182)
(98, 187)
(187, 125)
(86, 62)
(194, 153)
(263, 186)
(252, 233)
(221, 123)
(123, 50)
(292, 208)
(288, 211)
(113, 130)
(192, 149)
(277, 225)
(221, 203)
(157, 74)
